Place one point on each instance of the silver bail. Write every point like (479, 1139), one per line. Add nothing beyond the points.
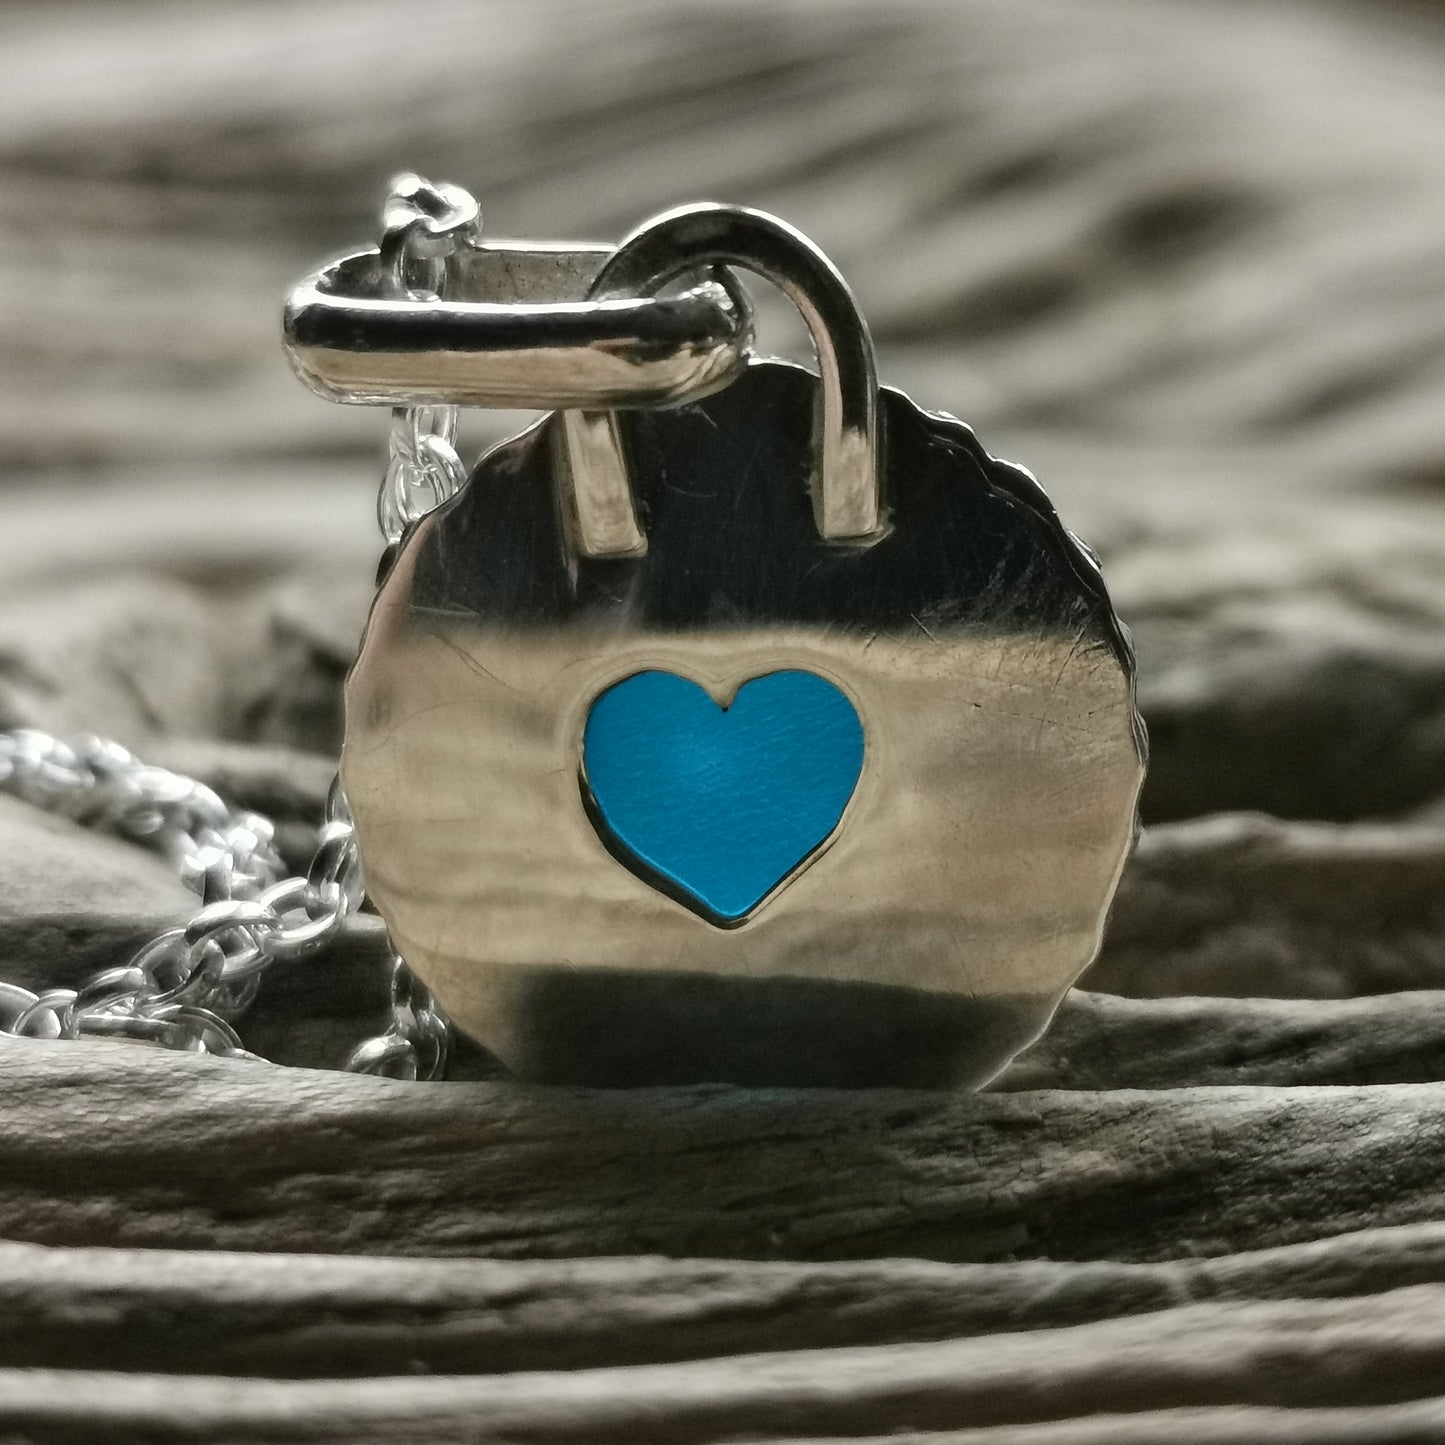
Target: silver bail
(846, 489)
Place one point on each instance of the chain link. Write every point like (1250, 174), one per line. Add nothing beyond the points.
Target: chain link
(422, 224)
(423, 467)
(185, 987)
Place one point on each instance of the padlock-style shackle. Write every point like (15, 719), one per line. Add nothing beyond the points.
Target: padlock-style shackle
(846, 484)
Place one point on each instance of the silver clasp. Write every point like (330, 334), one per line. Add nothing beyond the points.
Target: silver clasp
(507, 324)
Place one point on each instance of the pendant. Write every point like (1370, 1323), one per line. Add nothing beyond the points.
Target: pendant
(735, 722)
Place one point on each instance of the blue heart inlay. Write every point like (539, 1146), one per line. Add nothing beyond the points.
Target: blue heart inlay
(718, 805)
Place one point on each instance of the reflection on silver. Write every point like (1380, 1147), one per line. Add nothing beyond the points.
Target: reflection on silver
(514, 329)
(846, 490)
(595, 489)
(422, 225)
(967, 885)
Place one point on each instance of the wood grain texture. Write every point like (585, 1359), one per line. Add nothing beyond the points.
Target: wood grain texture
(236, 1414)
(319, 1161)
(1249, 905)
(1100, 1041)
(1385, 1349)
(310, 1316)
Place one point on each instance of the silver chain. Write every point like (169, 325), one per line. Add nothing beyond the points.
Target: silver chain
(422, 469)
(422, 224)
(186, 987)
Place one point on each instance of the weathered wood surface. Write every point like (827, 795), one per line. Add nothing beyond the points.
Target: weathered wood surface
(1245, 904)
(1098, 1041)
(316, 1160)
(310, 1315)
(145, 1413)
(1378, 1350)
(1183, 260)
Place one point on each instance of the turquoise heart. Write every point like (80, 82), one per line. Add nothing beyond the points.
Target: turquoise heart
(718, 805)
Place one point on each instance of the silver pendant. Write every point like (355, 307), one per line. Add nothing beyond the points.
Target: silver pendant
(780, 736)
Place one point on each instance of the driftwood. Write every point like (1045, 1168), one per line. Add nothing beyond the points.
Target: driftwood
(300, 1316)
(1378, 1350)
(136, 1414)
(1098, 1041)
(313, 1160)
(1251, 905)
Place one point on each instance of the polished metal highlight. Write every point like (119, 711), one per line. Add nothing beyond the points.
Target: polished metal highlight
(846, 489)
(732, 520)
(423, 225)
(595, 490)
(423, 467)
(514, 328)
(966, 883)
